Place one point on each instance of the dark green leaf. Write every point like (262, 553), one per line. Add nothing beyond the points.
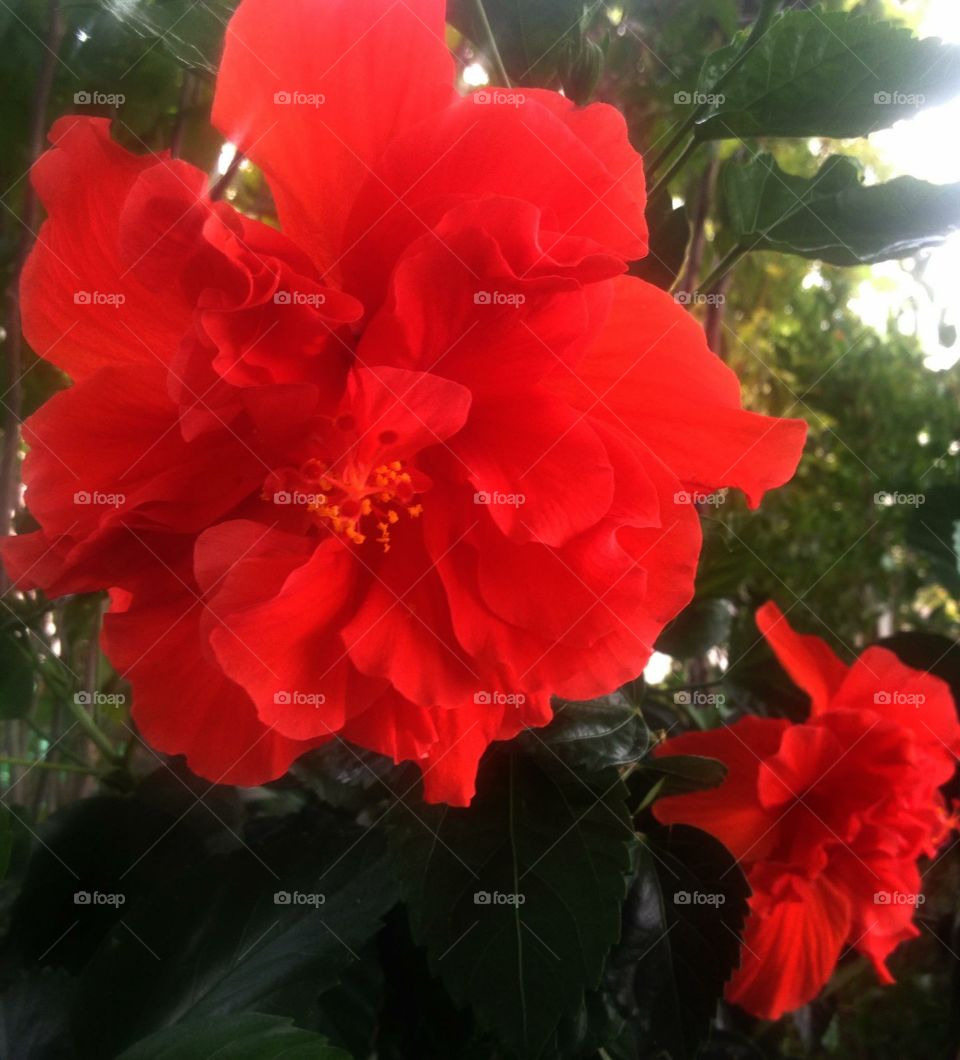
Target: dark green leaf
(441, 1030)
(192, 33)
(33, 1017)
(248, 1036)
(348, 1014)
(669, 234)
(532, 36)
(518, 898)
(242, 931)
(681, 939)
(16, 676)
(591, 735)
(931, 529)
(108, 845)
(831, 74)
(700, 626)
(6, 840)
(580, 70)
(833, 216)
(680, 774)
(351, 777)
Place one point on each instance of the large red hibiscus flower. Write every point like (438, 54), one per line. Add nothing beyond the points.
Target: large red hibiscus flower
(400, 470)
(829, 817)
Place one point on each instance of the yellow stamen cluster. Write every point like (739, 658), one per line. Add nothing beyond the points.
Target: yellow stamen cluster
(377, 495)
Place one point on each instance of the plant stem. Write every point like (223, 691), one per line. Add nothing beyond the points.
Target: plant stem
(39, 763)
(28, 219)
(689, 275)
(767, 11)
(220, 187)
(681, 161)
(726, 264)
(90, 727)
(494, 50)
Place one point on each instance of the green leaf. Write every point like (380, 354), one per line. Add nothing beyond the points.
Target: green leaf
(819, 73)
(931, 529)
(192, 33)
(112, 845)
(580, 70)
(700, 626)
(833, 217)
(533, 37)
(267, 927)
(682, 926)
(248, 1036)
(669, 235)
(16, 677)
(6, 840)
(34, 1010)
(592, 735)
(681, 774)
(349, 1014)
(518, 898)
(353, 778)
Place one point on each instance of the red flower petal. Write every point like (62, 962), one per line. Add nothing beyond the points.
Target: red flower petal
(133, 467)
(446, 744)
(540, 470)
(885, 895)
(790, 948)
(651, 372)
(313, 93)
(402, 631)
(82, 307)
(733, 812)
(920, 702)
(808, 660)
(576, 165)
(154, 639)
(275, 601)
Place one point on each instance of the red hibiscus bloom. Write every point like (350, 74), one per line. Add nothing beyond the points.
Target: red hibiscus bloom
(401, 470)
(829, 817)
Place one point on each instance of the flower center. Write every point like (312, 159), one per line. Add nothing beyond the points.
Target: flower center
(356, 501)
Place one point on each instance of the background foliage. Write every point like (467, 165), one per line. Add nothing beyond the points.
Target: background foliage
(763, 224)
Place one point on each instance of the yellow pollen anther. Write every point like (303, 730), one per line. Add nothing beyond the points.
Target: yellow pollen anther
(381, 493)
